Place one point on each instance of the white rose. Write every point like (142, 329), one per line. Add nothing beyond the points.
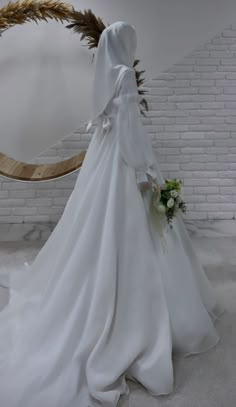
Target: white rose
(161, 208)
(174, 193)
(170, 203)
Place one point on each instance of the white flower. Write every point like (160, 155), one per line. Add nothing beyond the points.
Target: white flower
(161, 208)
(174, 193)
(170, 203)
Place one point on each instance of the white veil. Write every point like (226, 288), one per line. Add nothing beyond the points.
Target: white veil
(115, 53)
(114, 70)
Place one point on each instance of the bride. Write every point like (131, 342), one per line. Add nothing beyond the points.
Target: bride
(102, 301)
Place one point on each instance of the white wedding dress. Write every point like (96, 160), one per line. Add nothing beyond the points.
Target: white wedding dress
(102, 300)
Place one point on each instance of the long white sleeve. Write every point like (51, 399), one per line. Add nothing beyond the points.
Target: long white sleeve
(134, 143)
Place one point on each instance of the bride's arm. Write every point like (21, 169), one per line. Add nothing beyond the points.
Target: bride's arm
(134, 143)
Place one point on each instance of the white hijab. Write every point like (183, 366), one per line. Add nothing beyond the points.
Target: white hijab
(115, 53)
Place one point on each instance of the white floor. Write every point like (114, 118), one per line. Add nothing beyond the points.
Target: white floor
(206, 380)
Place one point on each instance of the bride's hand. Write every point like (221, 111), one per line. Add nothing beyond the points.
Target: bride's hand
(144, 186)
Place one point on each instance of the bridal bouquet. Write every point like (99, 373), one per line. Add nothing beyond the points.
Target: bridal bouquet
(166, 200)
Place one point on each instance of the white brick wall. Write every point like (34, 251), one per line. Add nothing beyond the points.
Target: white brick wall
(32, 202)
(192, 120)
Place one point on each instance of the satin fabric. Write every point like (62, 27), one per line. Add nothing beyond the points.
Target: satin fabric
(102, 301)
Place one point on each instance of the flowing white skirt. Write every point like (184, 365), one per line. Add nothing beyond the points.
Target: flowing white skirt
(102, 300)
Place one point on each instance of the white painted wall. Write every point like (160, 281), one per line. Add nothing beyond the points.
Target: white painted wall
(192, 120)
(45, 74)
